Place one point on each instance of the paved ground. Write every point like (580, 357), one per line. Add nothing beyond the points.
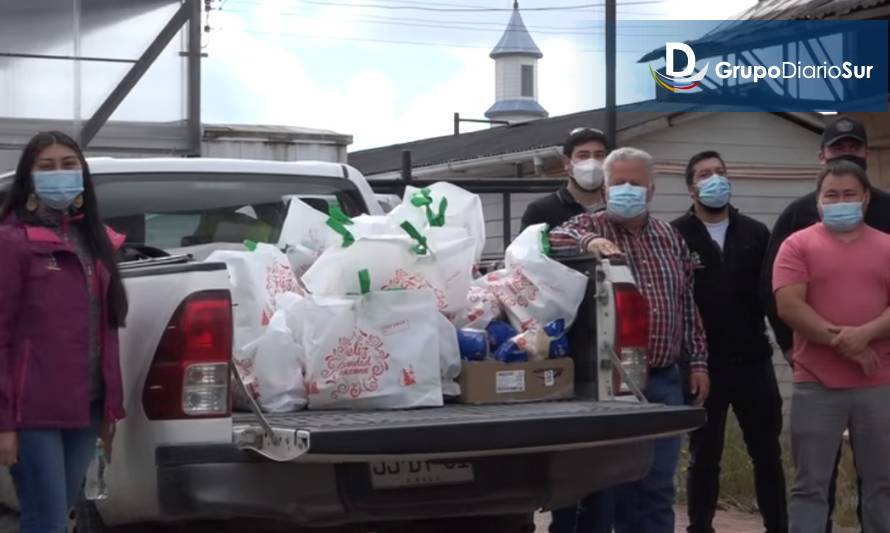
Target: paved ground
(726, 522)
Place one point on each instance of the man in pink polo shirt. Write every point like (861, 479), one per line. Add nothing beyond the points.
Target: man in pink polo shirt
(832, 286)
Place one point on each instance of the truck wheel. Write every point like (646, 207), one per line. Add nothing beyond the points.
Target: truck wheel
(86, 518)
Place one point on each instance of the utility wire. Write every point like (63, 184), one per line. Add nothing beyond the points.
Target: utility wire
(494, 28)
(497, 24)
(473, 9)
(498, 31)
(395, 41)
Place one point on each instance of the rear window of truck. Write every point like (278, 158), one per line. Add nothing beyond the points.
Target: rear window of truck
(171, 210)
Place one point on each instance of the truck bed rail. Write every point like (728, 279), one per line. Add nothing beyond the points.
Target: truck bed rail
(468, 430)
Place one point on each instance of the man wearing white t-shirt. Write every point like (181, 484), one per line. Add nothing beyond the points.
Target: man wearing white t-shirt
(727, 250)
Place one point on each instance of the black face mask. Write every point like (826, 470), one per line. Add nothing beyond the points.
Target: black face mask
(861, 161)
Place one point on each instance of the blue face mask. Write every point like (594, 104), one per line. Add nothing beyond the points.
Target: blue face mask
(714, 192)
(57, 189)
(843, 216)
(627, 201)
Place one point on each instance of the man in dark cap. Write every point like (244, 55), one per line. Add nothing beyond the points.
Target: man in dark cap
(844, 138)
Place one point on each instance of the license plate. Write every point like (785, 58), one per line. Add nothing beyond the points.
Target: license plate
(399, 474)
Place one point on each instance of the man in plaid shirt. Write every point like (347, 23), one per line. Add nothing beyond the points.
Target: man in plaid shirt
(663, 269)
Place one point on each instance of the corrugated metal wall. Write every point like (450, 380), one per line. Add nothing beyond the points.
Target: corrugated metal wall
(274, 151)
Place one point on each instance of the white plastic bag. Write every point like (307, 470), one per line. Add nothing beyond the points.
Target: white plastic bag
(367, 352)
(461, 209)
(373, 225)
(449, 357)
(243, 363)
(398, 262)
(301, 258)
(334, 272)
(256, 278)
(278, 368)
(535, 290)
(307, 227)
(406, 212)
(482, 307)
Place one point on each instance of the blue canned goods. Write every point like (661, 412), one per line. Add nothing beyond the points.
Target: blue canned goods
(473, 344)
(499, 333)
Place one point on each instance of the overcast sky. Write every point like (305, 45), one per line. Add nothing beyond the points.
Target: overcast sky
(388, 71)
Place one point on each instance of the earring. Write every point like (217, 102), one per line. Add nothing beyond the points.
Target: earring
(32, 204)
(78, 202)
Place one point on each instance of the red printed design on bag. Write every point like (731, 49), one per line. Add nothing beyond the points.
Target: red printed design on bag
(355, 365)
(529, 324)
(408, 281)
(477, 295)
(279, 279)
(515, 290)
(493, 276)
(482, 303)
(408, 377)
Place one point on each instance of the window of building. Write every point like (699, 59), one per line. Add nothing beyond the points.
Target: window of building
(528, 81)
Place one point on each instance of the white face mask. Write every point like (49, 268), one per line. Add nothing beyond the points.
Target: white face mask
(588, 174)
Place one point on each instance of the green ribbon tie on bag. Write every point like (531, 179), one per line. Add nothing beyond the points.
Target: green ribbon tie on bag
(337, 226)
(437, 220)
(423, 198)
(421, 248)
(364, 281)
(337, 214)
(545, 241)
(250, 245)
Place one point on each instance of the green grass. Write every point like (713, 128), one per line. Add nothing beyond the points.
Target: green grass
(737, 479)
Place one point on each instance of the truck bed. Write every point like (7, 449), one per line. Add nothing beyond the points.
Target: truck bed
(476, 429)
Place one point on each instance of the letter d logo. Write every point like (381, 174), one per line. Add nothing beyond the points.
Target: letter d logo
(669, 49)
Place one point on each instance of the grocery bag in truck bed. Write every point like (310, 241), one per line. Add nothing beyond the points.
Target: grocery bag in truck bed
(440, 263)
(377, 350)
(256, 278)
(533, 289)
(276, 361)
(447, 205)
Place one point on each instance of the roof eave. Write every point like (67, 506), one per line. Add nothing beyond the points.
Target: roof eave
(517, 53)
(530, 114)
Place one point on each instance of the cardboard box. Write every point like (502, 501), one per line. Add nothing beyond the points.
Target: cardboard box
(487, 382)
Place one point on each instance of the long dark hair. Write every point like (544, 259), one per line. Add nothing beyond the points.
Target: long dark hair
(96, 237)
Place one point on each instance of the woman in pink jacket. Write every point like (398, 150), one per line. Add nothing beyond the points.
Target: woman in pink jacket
(62, 304)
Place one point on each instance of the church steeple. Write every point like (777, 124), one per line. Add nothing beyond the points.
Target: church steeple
(516, 39)
(516, 74)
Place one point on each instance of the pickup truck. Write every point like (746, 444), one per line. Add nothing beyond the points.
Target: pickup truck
(183, 457)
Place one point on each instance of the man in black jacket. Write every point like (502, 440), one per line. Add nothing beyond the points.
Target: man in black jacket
(583, 153)
(844, 138)
(727, 250)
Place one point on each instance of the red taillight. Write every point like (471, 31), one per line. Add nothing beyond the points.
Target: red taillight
(631, 337)
(189, 376)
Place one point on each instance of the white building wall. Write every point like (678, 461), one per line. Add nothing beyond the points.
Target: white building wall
(508, 77)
